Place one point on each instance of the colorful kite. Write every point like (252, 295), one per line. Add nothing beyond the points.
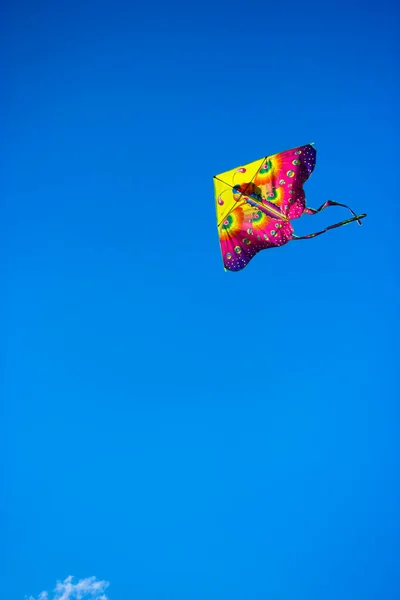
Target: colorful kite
(255, 204)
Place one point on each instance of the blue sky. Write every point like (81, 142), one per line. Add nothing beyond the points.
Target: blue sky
(181, 432)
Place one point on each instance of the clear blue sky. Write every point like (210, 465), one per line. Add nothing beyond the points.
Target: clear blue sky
(182, 432)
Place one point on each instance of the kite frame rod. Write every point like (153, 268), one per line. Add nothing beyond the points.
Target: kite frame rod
(241, 195)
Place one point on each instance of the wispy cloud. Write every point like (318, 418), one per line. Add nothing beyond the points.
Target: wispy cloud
(84, 589)
(42, 596)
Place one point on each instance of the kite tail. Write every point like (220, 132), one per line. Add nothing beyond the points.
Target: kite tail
(314, 211)
(311, 235)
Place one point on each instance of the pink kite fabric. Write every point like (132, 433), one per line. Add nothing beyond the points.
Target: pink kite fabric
(256, 203)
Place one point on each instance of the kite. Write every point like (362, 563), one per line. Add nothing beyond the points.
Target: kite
(256, 203)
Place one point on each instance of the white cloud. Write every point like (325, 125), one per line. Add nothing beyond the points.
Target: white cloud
(84, 589)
